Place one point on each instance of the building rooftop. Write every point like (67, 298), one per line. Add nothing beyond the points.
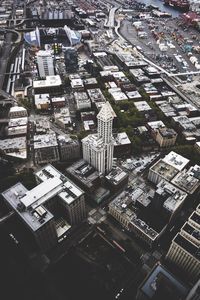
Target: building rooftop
(167, 132)
(186, 181)
(18, 122)
(156, 125)
(96, 95)
(161, 282)
(15, 147)
(45, 140)
(175, 160)
(83, 172)
(106, 112)
(42, 99)
(48, 82)
(142, 106)
(165, 170)
(116, 176)
(122, 139)
(125, 205)
(35, 218)
(174, 196)
(44, 53)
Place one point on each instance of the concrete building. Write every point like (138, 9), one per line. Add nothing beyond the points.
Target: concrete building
(161, 284)
(188, 180)
(123, 209)
(167, 168)
(63, 118)
(45, 148)
(17, 112)
(84, 175)
(168, 200)
(51, 85)
(82, 100)
(45, 63)
(98, 148)
(42, 101)
(39, 220)
(36, 207)
(70, 196)
(17, 126)
(122, 145)
(116, 179)
(97, 98)
(69, 148)
(184, 251)
(194, 293)
(15, 147)
(166, 137)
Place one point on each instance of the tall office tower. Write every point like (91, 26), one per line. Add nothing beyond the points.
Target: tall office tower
(50, 209)
(71, 59)
(184, 251)
(98, 148)
(45, 63)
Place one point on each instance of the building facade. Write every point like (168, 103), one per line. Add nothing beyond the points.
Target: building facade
(45, 63)
(184, 251)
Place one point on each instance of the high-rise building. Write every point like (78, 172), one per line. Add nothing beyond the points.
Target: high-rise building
(38, 208)
(98, 148)
(184, 251)
(45, 63)
(161, 284)
(71, 59)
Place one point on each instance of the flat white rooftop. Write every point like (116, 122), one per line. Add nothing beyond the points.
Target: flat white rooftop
(48, 82)
(42, 192)
(175, 160)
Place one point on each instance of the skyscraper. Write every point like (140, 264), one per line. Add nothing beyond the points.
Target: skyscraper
(98, 148)
(45, 63)
(184, 251)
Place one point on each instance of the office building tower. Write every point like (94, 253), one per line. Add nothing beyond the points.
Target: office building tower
(184, 251)
(98, 148)
(45, 63)
(38, 208)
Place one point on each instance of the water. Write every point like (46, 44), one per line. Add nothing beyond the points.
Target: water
(161, 6)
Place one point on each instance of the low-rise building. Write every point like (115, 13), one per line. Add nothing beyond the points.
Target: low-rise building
(97, 98)
(42, 126)
(168, 199)
(17, 112)
(69, 148)
(77, 84)
(82, 100)
(89, 120)
(123, 209)
(57, 102)
(167, 168)
(116, 179)
(84, 175)
(63, 118)
(166, 137)
(45, 148)
(17, 126)
(188, 180)
(117, 94)
(15, 147)
(51, 85)
(122, 145)
(42, 101)
(90, 83)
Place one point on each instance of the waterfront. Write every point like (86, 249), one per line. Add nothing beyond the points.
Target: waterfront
(160, 4)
